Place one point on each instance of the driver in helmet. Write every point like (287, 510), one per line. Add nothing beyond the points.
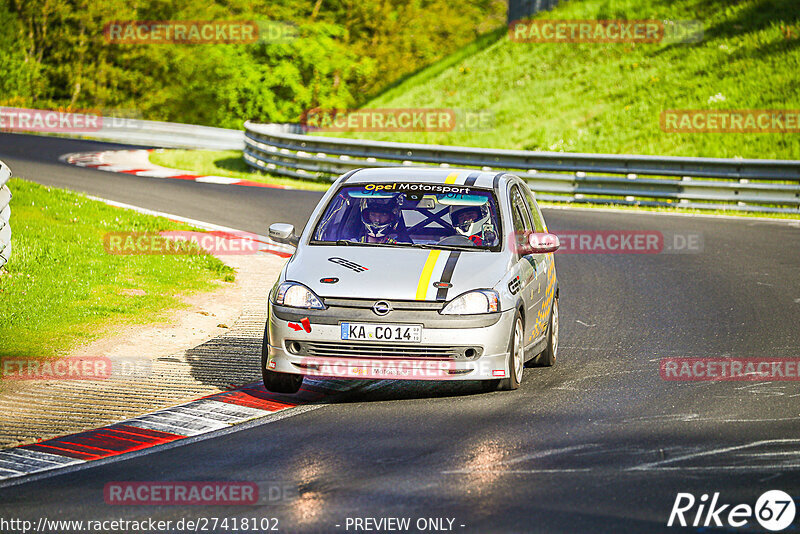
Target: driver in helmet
(380, 218)
(474, 223)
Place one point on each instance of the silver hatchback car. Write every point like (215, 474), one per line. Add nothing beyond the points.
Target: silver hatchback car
(419, 274)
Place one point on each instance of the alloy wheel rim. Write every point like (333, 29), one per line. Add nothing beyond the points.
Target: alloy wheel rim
(518, 358)
(555, 328)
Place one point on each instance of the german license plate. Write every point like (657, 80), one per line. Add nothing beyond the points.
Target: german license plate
(399, 333)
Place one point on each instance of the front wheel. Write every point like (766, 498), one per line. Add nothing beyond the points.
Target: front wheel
(282, 382)
(516, 356)
(277, 382)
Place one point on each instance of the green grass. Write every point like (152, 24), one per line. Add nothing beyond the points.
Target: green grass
(607, 98)
(60, 287)
(226, 163)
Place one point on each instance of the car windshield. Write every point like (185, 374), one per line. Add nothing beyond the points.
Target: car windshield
(411, 215)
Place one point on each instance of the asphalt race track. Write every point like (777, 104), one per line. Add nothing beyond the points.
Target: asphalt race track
(598, 443)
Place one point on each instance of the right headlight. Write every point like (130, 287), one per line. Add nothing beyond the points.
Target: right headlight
(296, 295)
(472, 302)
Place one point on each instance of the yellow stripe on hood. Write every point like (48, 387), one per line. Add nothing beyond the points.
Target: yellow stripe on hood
(427, 272)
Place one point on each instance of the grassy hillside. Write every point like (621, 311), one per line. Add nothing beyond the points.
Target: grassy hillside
(607, 98)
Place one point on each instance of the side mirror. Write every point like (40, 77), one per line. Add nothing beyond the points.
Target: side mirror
(541, 243)
(283, 233)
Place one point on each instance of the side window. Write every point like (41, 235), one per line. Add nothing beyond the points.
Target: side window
(521, 219)
(329, 227)
(538, 220)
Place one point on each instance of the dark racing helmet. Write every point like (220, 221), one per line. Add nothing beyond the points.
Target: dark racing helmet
(380, 216)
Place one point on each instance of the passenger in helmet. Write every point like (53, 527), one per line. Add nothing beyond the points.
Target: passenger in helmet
(475, 223)
(380, 218)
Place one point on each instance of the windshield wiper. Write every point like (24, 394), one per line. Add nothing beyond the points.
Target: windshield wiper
(447, 247)
(345, 242)
(393, 245)
(348, 243)
(342, 242)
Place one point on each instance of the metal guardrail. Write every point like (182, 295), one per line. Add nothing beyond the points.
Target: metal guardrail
(703, 183)
(5, 214)
(168, 134)
(124, 130)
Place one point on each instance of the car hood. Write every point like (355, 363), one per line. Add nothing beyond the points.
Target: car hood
(393, 273)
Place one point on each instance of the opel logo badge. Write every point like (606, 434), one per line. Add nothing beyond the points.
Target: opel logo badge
(381, 307)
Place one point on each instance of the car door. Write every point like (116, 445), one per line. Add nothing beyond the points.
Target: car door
(526, 267)
(545, 270)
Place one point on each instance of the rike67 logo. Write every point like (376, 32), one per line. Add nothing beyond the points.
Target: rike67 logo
(774, 511)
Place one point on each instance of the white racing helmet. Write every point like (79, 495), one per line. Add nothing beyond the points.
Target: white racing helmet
(469, 220)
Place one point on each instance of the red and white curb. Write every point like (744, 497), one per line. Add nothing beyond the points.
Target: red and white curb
(205, 415)
(99, 161)
(102, 162)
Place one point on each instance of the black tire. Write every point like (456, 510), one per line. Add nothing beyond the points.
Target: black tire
(282, 382)
(516, 355)
(277, 382)
(548, 356)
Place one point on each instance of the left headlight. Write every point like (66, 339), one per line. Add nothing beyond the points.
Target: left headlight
(480, 301)
(296, 295)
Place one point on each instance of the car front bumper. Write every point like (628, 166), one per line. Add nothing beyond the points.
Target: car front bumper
(308, 342)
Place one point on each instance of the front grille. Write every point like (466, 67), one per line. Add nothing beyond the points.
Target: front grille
(399, 305)
(336, 349)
